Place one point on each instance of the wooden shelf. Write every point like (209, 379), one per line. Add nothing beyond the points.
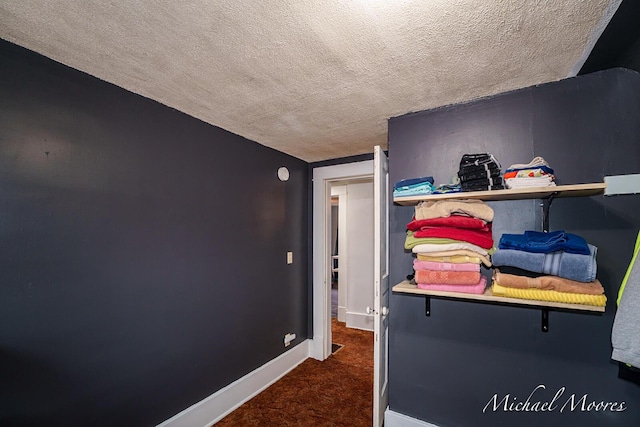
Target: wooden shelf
(408, 288)
(573, 190)
(547, 194)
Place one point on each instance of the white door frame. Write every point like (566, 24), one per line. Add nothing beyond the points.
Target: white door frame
(320, 346)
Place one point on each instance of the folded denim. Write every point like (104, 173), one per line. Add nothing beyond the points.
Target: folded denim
(582, 268)
(540, 242)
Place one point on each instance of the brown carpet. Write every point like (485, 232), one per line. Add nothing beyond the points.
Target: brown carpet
(335, 392)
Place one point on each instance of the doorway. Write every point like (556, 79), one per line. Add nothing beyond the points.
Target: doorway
(338, 251)
(335, 206)
(323, 180)
(351, 251)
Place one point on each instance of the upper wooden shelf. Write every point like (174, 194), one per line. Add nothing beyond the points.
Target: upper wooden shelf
(573, 190)
(408, 288)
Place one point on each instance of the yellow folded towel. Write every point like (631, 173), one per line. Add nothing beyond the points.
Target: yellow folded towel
(552, 296)
(455, 256)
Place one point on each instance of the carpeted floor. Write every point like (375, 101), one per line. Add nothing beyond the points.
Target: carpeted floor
(335, 392)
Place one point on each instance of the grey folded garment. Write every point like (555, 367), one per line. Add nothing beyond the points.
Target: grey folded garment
(625, 335)
(582, 268)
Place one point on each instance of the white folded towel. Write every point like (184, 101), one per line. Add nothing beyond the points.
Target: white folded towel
(541, 181)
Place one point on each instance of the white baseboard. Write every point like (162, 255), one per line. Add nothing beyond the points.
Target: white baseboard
(215, 407)
(396, 419)
(359, 321)
(342, 314)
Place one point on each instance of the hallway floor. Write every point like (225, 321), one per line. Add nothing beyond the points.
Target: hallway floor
(334, 392)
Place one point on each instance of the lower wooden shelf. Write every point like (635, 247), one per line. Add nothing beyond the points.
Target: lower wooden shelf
(408, 288)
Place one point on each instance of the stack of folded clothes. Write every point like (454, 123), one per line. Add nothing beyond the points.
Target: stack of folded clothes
(451, 238)
(555, 266)
(536, 173)
(480, 172)
(414, 187)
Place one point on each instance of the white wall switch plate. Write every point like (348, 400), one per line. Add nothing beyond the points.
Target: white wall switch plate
(289, 257)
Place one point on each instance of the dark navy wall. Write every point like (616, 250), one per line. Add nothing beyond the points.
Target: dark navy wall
(619, 44)
(142, 252)
(445, 368)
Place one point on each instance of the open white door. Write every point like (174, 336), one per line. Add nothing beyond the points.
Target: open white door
(381, 284)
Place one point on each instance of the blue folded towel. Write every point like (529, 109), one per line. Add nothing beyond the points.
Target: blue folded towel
(582, 268)
(419, 189)
(537, 241)
(412, 181)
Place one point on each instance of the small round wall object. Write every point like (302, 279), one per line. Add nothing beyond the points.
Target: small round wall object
(283, 174)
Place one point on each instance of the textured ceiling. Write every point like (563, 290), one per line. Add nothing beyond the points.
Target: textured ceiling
(314, 79)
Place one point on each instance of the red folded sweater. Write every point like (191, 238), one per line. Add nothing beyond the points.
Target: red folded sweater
(482, 238)
(457, 221)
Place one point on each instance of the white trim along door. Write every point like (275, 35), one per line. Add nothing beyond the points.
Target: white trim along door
(381, 285)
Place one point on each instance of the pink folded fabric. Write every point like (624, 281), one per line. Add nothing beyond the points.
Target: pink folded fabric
(444, 266)
(478, 288)
(447, 277)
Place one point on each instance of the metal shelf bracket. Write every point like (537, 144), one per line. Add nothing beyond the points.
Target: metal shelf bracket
(545, 320)
(546, 205)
